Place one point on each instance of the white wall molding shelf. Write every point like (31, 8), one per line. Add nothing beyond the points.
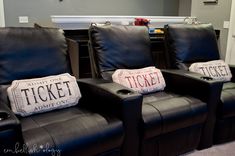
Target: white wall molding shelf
(83, 22)
(230, 53)
(2, 18)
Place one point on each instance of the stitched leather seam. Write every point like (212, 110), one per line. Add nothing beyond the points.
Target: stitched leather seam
(47, 133)
(160, 115)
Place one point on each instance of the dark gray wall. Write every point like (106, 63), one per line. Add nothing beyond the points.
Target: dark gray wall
(185, 7)
(215, 14)
(40, 10)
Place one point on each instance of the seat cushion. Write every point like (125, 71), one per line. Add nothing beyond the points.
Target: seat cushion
(227, 105)
(166, 112)
(71, 131)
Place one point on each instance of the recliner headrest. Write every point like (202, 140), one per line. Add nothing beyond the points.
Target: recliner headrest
(187, 44)
(120, 47)
(30, 53)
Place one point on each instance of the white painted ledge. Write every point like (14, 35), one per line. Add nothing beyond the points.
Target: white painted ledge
(2, 18)
(83, 22)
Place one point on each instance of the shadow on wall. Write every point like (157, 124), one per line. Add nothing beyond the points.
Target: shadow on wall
(170, 8)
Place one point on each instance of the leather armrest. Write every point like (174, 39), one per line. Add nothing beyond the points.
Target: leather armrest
(8, 120)
(185, 82)
(201, 87)
(114, 99)
(10, 132)
(232, 69)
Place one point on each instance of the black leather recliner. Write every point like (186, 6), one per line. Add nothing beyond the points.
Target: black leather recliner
(187, 44)
(171, 120)
(87, 129)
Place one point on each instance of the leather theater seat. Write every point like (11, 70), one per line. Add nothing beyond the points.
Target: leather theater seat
(187, 44)
(79, 130)
(171, 120)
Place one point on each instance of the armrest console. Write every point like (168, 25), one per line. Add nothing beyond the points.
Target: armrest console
(107, 96)
(4, 115)
(8, 119)
(114, 99)
(10, 131)
(232, 68)
(201, 87)
(197, 85)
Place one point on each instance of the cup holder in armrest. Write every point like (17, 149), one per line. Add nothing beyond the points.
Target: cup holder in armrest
(124, 92)
(206, 78)
(4, 116)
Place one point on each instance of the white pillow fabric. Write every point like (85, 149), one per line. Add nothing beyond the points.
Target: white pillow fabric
(143, 80)
(217, 70)
(30, 96)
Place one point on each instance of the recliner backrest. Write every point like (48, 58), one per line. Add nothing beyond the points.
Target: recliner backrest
(189, 43)
(31, 53)
(119, 47)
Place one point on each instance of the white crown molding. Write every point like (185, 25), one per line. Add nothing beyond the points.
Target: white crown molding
(83, 22)
(230, 52)
(2, 17)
